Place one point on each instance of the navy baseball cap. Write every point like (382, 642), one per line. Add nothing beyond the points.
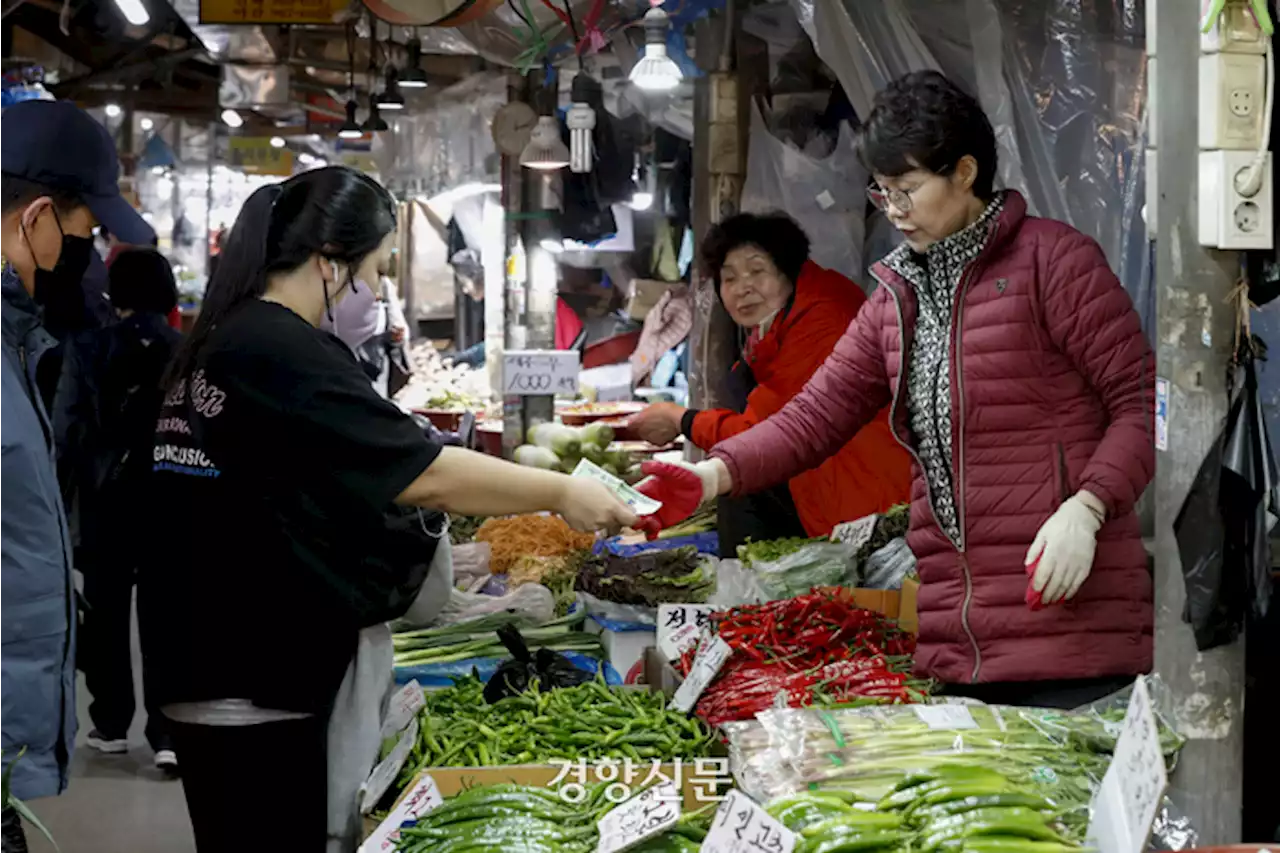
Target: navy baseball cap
(59, 145)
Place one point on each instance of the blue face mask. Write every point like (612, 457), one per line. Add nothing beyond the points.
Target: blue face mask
(352, 314)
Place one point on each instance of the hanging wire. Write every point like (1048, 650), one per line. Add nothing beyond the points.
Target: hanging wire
(573, 28)
(351, 59)
(521, 16)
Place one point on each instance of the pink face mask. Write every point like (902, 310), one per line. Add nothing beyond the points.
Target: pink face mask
(354, 318)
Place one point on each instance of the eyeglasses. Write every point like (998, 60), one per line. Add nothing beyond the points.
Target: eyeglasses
(901, 199)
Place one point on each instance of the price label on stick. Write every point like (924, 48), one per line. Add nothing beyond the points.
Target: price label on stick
(855, 534)
(422, 797)
(712, 653)
(1130, 793)
(679, 626)
(388, 769)
(643, 816)
(531, 373)
(741, 826)
(404, 706)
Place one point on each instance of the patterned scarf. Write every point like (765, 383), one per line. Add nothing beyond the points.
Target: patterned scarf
(935, 275)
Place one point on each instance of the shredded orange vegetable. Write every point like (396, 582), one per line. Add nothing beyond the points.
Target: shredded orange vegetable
(529, 535)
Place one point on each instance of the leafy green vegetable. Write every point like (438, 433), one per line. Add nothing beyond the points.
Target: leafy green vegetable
(647, 579)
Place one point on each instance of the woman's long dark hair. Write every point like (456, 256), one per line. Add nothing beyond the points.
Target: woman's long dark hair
(335, 212)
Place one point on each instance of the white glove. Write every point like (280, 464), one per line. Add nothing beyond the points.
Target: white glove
(1065, 547)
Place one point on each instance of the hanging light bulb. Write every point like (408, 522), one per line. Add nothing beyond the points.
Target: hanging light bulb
(656, 72)
(350, 128)
(546, 150)
(391, 98)
(413, 77)
(581, 120)
(375, 122)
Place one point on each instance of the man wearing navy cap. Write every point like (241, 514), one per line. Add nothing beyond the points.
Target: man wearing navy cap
(59, 179)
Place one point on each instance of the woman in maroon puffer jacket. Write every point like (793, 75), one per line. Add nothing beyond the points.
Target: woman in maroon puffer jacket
(1022, 384)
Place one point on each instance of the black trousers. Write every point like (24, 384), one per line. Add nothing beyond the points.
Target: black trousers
(256, 788)
(1064, 695)
(106, 655)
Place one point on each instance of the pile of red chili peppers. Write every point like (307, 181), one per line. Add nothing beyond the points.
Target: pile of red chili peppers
(817, 648)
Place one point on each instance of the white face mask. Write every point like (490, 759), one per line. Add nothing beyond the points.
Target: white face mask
(354, 318)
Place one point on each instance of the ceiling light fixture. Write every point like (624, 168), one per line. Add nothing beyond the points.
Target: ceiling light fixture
(232, 119)
(146, 124)
(546, 150)
(350, 128)
(134, 12)
(375, 121)
(656, 72)
(581, 120)
(391, 98)
(413, 77)
(112, 110)
(277, 142)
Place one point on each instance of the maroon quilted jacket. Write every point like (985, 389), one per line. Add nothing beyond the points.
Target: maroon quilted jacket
(1052, 387)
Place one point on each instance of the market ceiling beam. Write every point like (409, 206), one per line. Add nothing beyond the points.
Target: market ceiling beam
(147, 67)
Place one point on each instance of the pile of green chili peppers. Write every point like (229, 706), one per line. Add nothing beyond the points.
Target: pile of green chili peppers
(592, 721)
(509, 817)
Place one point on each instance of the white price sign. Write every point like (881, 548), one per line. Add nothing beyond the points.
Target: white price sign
(679, 626)
(712, 653)
(946, 717)
(855, 533)
(529, 373)
(388, 769)
(420, 799)
(640, 504)
(404, 706)
(741, 826)
(1130, 794)
(639, 818)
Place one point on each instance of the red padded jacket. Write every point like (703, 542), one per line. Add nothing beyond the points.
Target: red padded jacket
(872, 472)
(1052, 391)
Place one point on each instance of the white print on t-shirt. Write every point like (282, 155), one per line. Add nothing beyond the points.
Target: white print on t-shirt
(207, 397)
(181, 455)
(178, 425)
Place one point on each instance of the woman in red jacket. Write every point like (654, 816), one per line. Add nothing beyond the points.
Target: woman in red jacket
(1019, 377)
(793, 313)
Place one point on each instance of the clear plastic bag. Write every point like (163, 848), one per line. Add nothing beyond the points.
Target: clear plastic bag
(531, 604)
(889, 567)
(826, 195)
(816, 564)
(866, 751)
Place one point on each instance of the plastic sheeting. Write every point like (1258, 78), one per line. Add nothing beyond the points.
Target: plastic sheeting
(824, 194)
(1063, 82)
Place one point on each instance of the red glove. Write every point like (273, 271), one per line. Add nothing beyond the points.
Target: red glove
(676, 487)
(1034, 599)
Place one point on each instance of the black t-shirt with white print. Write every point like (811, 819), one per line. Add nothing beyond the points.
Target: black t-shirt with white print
(265, 482)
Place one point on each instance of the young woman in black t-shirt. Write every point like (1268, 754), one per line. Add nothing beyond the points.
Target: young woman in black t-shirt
(275, 468)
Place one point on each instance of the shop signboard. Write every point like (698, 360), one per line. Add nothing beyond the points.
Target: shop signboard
(255, 155)
(271, 11)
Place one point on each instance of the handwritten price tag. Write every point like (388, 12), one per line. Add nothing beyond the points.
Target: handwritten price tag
(639, 818)
(404, 706)
(528, 373)
(712, 653)
(679, 626)
(741, 826)
(1130, 793)
(421, 798)
(855, 533)
(388, 769)
(639, 504)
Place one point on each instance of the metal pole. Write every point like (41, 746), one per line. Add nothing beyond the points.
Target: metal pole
(1195, 326)
(719, 166)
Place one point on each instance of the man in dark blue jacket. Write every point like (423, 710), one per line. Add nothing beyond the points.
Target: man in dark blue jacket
(105, 421)
(59, 180)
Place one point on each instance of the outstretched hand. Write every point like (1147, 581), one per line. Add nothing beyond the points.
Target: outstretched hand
(679, 487)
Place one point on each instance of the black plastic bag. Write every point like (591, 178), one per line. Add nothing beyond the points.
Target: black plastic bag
(12, 838)
(1224, 525)
(550, 669)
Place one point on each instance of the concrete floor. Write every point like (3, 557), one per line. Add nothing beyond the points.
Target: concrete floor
(115, 804)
